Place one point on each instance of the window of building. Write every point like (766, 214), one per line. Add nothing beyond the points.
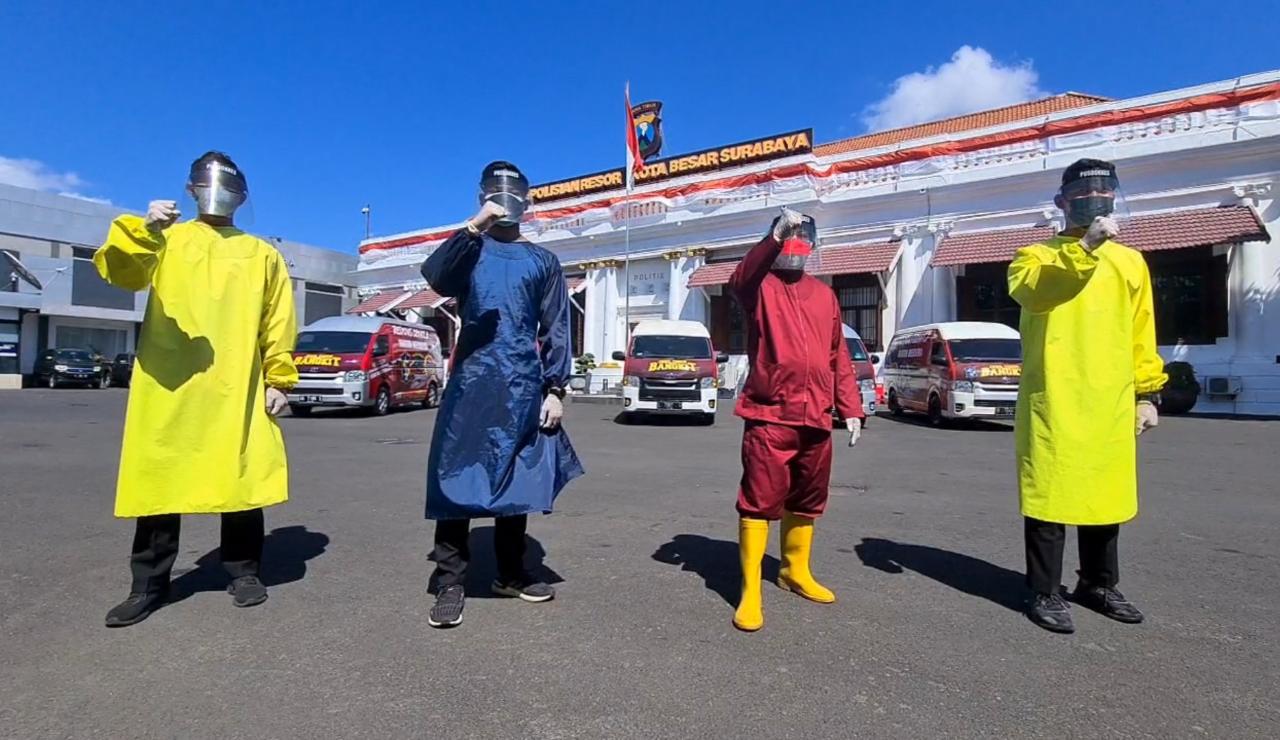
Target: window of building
(322, 301)
(860, 301)
(982, 294)
(89, 289)
(1189, 290)
(106, 342)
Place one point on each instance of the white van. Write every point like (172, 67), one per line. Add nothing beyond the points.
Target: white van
(670, 368)
(956, 370)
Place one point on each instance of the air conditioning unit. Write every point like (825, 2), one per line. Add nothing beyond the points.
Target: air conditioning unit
(1222, 385)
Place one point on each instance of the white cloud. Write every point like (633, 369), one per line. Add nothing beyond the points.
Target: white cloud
(36, 175)
(971, 81)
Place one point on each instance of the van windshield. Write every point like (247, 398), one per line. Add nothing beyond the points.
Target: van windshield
(336, 342)
(856, 351)
(986, 350)
(675, 348)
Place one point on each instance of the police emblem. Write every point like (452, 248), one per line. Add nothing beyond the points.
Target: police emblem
(648, 118)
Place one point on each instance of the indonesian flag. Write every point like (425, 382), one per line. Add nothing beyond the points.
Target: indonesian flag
(635, 162)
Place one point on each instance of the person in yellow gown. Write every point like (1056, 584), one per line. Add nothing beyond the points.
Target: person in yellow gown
(1090, 375)
(214, 362)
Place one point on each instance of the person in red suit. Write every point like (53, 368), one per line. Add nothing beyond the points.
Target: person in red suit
(800, 370)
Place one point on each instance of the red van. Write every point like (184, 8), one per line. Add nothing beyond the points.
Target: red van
(371, 363)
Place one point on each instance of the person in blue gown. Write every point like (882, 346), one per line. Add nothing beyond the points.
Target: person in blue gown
(498, 449)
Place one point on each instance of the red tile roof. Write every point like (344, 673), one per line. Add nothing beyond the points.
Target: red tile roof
(712, 273)
(968, 122)
(425, 298)
(855, 259)
(377, 302)
(1153, 232)
(846, 259)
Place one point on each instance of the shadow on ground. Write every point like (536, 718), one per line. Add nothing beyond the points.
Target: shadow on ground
(963, 573)
(716, 561)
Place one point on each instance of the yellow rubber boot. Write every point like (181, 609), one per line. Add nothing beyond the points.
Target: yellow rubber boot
(753, 538)
(794, 576)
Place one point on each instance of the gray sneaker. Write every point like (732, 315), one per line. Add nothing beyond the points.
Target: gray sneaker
(447, 611)
(524, 588)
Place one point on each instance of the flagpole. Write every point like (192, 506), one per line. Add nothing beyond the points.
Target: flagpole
(626, 262)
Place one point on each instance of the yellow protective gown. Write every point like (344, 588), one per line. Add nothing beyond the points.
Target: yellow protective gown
(219, 327)
(1088, 348)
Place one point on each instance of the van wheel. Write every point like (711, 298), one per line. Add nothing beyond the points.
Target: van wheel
(935, 411)
(297, 410)
(709, 419)
(433, 397)
(895, 408)
(382, 403)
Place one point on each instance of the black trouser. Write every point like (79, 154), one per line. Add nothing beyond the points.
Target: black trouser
(452, 552)
(1099, 560)
(155, 547)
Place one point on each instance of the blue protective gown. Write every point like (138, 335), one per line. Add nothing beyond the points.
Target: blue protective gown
(488, 455)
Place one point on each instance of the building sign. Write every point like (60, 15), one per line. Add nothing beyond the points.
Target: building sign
(650, 281)
(648, 118)
(708, 160)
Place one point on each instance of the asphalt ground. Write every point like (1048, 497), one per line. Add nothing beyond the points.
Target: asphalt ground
(922, 544)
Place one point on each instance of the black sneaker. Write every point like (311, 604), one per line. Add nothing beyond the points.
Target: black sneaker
(247, 591)
(136, 608)
(1108, 602)
(1051, 612)
(524, 588)
(447, 611)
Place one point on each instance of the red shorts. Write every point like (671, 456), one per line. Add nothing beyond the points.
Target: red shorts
(784, 469)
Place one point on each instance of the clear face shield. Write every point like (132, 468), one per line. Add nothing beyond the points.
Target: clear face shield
(509, 188)
(218, 189)
(1089, 198)
(798, 247)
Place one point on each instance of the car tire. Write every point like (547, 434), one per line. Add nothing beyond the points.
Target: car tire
(935, 411)
(53, 381)
(382, 402)
(432, 399)
(895, 408)
(709, 419)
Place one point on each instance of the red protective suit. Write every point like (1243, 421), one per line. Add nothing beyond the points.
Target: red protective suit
(800, 370)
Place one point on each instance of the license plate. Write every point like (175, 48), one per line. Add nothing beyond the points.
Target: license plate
(312, 399)
(1004, 411)
(670, 405)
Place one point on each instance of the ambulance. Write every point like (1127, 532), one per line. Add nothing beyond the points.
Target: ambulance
(375, 364)
(670, 368)
(955, 370)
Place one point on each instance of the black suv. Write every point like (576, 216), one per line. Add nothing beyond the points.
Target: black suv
(69, 367)
(120, 371)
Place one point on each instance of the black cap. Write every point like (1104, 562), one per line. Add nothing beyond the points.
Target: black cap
(208, 162)
(1086, 168)
(502, 169)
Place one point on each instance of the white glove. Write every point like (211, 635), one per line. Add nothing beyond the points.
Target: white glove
(1102, 229)
(1148, 417)
(276, 401)
(161, 214)
(855, 430)
(552, 411)
(788, 221)
(488, 215)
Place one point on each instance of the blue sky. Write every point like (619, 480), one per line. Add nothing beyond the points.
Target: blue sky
(328, 106)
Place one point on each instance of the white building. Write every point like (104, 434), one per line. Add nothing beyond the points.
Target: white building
(918, 225)
(55, 237)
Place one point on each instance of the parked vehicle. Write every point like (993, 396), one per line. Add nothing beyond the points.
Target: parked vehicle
(864, 370)
(670, 368)
(372, 363)
(120, 370)
(957, 370)
(57, 367)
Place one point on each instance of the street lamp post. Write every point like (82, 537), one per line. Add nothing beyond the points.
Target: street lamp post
(366, 211)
